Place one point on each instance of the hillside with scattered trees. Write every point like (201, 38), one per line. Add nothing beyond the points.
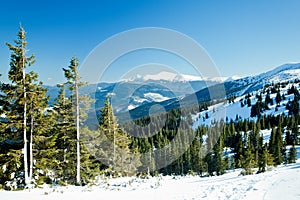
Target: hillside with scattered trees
(42, 144)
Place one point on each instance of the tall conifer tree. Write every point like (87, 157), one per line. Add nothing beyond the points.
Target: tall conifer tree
(72, 75)
(24, 99)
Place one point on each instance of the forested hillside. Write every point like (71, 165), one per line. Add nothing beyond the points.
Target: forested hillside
(42, 142)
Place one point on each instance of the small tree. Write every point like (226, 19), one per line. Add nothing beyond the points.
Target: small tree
(248, 160)
(217, 158)
(117, 153)
(278, 97)
(292, 154)
(265, 159)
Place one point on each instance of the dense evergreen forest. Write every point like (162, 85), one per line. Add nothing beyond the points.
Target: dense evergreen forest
(41, 144)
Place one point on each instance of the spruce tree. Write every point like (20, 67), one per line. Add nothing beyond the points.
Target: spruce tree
(292, 156)
(209, 161)
(199, 151)
(65, 130)
(265, 159)
(69, 112)
(278, 97)
(45, 150)
(238, 156)
(278, 145)
(272, 141)
(73, 78)
(262, 160)
(120, 158)
(39, 123)
(248, 160)
(218, 160)
(24, 100)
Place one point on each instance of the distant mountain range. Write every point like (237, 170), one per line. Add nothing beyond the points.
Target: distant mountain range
(135, 91)
(239, 87)
(136, 95)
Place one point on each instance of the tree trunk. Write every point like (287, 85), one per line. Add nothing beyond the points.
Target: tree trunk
(30, 150)
(78, 133)
(25, 152)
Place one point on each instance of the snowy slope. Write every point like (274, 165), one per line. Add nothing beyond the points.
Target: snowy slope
(283, 73)
(286, 72)
(230, 111)
(279, 183)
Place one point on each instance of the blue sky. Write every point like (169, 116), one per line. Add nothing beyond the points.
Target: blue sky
(242, 37)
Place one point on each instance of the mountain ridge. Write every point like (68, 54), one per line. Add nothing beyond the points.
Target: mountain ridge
(138, 96)
(175, 77)
(234, 88)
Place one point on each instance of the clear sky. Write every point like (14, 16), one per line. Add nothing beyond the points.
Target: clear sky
(242, 37)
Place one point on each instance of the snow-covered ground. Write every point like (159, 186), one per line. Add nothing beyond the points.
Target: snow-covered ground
(279, 183)
(224, 110)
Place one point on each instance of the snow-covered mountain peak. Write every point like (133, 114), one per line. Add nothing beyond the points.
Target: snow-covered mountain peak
(176, 77)
(283, 73)
(163, 76)
(289, 70)
(288, 66)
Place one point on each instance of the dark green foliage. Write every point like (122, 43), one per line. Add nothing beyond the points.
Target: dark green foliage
(262, 160)
(292, 155)
(278, 146)
(120, 158)
(69, 146)
(24, 99)
(248, 161)
(293, 90)
(293, 106)
(161, 143)
(278, 97)
(238, 149)
(65, 130)
(217, 158)
(268, 99)
(248, 100)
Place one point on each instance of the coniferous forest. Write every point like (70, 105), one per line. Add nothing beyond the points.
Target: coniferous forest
(42, 144)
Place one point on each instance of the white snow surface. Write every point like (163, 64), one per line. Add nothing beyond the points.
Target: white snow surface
(176, 77)
(130, 107)
(224, 110)
(155, 97)
(278, 183)
(286, 72)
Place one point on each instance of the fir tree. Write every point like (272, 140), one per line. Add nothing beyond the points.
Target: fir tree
(238, 156)
(268, 99)
(248, 160)
(70, 113)
(262, 160)
(248, 100)
(292, 155)
(217, 157)
(73, 80)
(45, 150)
(23, 102)
(278, 144)
(65, 130)
(119, 157)
(293, 107)
(278, 97)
